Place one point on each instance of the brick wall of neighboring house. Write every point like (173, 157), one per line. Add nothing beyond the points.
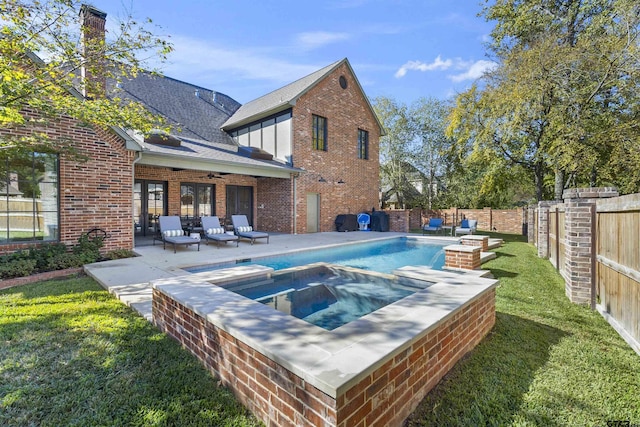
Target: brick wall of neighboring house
(275, 201)
(175, 178)
(93, 193)
(346, 111)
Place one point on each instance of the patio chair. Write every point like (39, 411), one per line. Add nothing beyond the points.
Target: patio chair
(434, 224)
(171, 232)
(467, 226)
(244, 230)
(214, 231)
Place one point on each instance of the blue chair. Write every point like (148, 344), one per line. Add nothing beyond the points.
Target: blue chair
(434, 224)
(467, 226)
(363, 221)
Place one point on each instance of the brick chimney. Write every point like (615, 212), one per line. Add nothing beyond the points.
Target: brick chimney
(94, 82)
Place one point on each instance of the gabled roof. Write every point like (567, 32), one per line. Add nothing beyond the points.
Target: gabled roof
(279, 99)
(192, 111)
(287, 96)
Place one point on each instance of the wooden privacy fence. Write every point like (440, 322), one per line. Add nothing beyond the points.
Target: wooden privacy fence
(593, 239)
(618, 262)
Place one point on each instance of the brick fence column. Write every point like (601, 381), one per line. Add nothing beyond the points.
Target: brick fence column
(543, 229)
(580, 242)
(531, 210)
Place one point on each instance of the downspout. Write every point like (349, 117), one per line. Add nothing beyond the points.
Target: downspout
(295, 203)
(133, 188)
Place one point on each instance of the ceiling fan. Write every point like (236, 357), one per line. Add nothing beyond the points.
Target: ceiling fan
(211, 175)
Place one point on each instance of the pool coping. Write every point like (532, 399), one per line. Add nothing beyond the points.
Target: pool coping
(331, 361)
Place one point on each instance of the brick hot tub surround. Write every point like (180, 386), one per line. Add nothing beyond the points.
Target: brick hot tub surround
(370, 372)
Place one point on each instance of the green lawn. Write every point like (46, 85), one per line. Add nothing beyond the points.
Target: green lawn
(547, 362)
(71, 354)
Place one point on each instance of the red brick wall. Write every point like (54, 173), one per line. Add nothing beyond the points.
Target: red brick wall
(174, 178)
(346, 111)
(499, 220)
(275, 201)
(384, 397)
(95, 193)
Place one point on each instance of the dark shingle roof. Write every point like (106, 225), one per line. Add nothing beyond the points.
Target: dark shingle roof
(279, 99)
(193, 111)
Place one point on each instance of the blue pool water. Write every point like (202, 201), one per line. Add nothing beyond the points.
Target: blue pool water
(324, 296)
(381, 256)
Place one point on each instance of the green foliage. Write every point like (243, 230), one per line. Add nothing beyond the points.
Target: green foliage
(50, 257)
(119, 254)
(88, 248)
(563, 101)
(52, 29)
(415, 153)
(16, 268)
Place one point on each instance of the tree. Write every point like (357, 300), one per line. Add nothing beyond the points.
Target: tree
(582, 56)
(50, 30)
(395, 149)
(428, 122)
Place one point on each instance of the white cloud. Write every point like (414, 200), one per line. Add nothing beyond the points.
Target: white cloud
(194, 58)
(474, 71)
(316, 39)
(471, 70)
(437, 64)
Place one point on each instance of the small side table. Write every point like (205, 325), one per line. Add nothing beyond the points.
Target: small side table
(449, 228)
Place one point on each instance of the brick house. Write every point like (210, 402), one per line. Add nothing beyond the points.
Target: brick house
(291, 161)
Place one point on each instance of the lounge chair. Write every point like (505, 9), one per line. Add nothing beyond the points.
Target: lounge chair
(171, 232)
(435, 225)
(467, 226)
(243, 229)
(214, 231)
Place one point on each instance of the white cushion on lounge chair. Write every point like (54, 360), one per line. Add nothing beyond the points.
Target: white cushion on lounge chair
(215, 230)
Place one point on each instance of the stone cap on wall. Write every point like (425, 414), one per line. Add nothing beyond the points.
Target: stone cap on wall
(590, 193)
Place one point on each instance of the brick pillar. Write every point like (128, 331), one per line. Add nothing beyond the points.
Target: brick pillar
(580, 204)
(461, 256)
(531, 209)
(543, 229)
(476, 240)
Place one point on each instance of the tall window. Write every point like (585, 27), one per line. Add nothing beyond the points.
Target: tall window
(29, 210)
(196, 200)
(319, 133)
(363, 144)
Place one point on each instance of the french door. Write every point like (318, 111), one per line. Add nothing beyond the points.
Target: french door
(149, 203)
(240, 201)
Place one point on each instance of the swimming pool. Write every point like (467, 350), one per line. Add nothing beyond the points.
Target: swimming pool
(327, 295)
(382, 256)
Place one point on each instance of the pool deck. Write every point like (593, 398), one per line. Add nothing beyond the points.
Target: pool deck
(129, 279)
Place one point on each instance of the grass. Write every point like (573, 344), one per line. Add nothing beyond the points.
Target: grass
(71, 354)
(547, 362)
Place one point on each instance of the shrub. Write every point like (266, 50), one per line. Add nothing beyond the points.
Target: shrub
(119, 254)
(88, 248)
(45, 252)
(17, 268)
(66, 260)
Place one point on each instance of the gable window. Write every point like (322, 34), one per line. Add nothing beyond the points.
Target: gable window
(319, 133)
(363, 144)
(29, 210)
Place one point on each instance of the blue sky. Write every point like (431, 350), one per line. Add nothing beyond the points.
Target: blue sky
(403, 49)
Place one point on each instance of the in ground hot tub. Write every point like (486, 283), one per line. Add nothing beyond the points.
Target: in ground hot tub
(372, 370)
